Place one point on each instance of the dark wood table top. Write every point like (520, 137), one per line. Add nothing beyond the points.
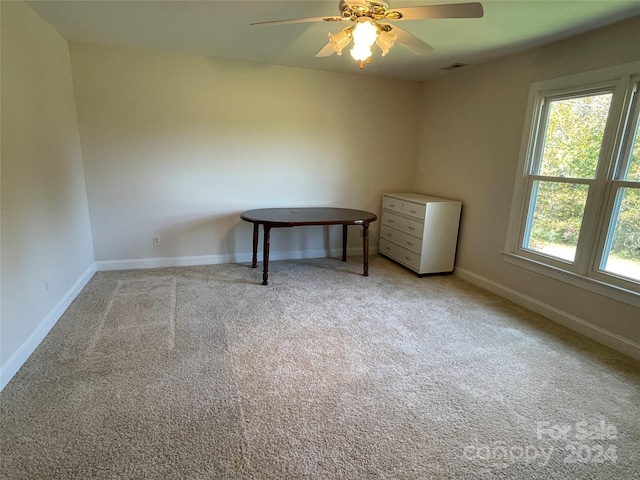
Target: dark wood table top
(308, 216)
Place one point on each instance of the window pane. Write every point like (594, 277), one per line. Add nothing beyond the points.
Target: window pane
(623, 256)
(573, 138)
(555, 219)
(633, 170)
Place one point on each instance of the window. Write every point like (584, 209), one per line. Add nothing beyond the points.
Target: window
(576, 207)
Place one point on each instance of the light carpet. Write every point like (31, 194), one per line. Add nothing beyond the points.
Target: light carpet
(202, 372)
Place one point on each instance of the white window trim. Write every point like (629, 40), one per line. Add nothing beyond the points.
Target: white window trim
(577, 274)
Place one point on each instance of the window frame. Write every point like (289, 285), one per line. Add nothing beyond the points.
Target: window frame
(594, 238)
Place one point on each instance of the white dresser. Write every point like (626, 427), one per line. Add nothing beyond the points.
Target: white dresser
(419, 231)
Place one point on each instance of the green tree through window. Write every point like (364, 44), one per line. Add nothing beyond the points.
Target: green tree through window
(622, 255)
(571, 148)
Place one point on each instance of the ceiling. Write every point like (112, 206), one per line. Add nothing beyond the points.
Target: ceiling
(222, 29)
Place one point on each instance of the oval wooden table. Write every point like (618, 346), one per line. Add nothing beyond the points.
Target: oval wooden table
(293, 217)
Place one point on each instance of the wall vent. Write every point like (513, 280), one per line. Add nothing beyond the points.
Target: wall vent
(454, 66)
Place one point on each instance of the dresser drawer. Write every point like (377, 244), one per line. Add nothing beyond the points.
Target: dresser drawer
(407, 225)
(391, 203)
(416, 210)
(404, 256)
(400, 238)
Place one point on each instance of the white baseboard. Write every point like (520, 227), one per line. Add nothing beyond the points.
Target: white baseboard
(599, 334)
(13, 364)
(162, 262)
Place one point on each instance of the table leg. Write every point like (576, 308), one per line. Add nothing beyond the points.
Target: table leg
(344, 243)
(265, 254)
(254, 263)
(365, 248)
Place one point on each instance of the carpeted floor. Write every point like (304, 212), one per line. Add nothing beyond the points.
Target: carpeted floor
(324, 374)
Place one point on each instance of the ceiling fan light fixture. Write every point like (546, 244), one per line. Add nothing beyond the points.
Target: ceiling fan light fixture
(368, 19)
(364, 36)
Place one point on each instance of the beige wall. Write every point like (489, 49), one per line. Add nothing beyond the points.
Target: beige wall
(178, 146)
(470, 142)
(46, 238)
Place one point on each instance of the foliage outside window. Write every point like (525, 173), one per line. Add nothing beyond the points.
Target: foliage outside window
(576, 208)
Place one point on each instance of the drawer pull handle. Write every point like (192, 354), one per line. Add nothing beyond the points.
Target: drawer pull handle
(390, 221)
(410, 244)
(392, 204)
(389, 234)
(408, 258)
(388, 249)
(412, 228)
(413, 211)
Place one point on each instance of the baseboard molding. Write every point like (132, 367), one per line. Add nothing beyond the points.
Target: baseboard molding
(163, 262)
(599, 334)
(15, 362)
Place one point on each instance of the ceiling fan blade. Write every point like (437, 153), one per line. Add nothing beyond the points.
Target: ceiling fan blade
(326, 51)
(410, 41)
(303, 20)
(454, 10)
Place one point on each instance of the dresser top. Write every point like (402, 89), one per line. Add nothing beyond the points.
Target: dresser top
(420, 198)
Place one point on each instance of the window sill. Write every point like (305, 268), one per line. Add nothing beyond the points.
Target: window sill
(608, 290)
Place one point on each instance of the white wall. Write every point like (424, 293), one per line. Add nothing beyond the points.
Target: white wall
(470, 142)
(178, 146)
(46, 241)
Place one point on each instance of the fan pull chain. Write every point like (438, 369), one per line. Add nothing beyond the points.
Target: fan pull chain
(362, 63)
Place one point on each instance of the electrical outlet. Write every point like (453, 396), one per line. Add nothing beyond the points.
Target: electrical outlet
(156, 240)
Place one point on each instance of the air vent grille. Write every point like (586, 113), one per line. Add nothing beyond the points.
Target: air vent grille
(455, 66)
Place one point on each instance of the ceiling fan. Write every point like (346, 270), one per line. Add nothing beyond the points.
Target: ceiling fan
(368, 26)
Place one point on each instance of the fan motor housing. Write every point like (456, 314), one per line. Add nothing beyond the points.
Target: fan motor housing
(374, 10)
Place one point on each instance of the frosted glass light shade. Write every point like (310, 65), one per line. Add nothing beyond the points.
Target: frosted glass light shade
(385, 41)
(339, 41)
